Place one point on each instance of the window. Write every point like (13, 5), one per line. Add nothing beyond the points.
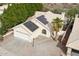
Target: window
(44, 31)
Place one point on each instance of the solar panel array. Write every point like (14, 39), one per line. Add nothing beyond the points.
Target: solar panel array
(31, 26)
(42, 19)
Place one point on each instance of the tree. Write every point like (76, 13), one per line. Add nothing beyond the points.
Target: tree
(57, 24)
(71, 13)
(18, 13)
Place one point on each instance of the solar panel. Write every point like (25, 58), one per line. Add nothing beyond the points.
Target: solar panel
(42, 19)
(31, 26)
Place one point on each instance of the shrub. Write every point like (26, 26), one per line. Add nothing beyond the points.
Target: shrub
(58, 11)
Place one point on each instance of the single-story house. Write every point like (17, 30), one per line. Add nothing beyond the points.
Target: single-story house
(30, 30)
(39, 24)
(73, 41)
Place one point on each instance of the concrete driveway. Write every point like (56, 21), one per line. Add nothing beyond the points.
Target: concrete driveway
(42, 47)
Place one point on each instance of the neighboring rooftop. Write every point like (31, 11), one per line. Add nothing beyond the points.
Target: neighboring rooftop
(73, 41)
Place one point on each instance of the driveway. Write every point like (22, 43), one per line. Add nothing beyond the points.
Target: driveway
(42, 47)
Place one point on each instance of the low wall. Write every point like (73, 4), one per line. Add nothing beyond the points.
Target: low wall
(8, 34)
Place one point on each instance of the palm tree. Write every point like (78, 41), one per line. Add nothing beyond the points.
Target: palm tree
(57, 24)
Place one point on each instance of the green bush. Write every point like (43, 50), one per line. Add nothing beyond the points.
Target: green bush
(72, 12)
(58, 11)
(18, 13)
